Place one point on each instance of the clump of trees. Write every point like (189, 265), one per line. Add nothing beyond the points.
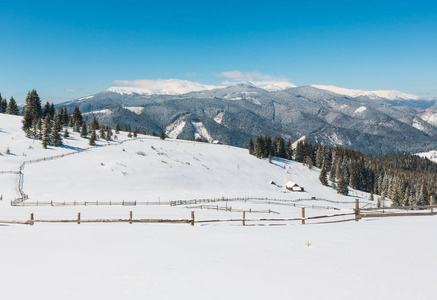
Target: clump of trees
(406, 179)
(10, 108)
(265, 147)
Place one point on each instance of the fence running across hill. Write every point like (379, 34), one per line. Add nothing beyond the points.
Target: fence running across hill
(24, 196)
(268, 201)
(358, 214)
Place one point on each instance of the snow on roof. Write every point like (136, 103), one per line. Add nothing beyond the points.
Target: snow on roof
(291, 184)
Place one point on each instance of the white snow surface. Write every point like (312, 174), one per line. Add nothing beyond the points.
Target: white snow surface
(219, 117)
(200, 131)
(273, 85)
(222, 260)
(386, 94)
(84, 98)
(360, 110)
(432, 155)
(430, 117)
(136, 109)
(158, 86)
(173, 130)
(418, 125)
(102, 111)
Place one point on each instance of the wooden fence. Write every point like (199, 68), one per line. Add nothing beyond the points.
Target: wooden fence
(269, 201)
(191, 221)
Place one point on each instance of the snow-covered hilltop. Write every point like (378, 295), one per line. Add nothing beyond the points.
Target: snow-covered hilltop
(147, 168)
(385, 94)
(158, 87)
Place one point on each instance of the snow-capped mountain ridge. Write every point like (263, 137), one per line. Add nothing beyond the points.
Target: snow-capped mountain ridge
(386, 94)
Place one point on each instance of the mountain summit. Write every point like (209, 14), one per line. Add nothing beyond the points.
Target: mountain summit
(385, 94)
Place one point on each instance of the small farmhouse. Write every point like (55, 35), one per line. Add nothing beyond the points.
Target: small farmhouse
(294, 187)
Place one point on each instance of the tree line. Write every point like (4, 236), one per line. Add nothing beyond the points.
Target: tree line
(46, 124)
(406, 179)
(10, 108)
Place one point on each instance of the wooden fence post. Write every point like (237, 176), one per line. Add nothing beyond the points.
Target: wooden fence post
(130, 217)
(244, 218)
(357, 210)
(78, 218)
(303, 215)
(31, 219)
(192, 218)
(431, 203)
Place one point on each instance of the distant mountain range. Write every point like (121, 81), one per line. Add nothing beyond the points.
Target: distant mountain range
(378, 122)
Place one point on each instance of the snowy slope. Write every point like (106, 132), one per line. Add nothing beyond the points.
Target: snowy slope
(386, 94)
(168, 261)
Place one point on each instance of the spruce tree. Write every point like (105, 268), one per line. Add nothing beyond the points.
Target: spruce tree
(135, 132)
(83, 130)
(250, 147)
(45, 110)
(323, 177)
(31, 110)
(2, 105)
(52, 111)
(259, 147)
(109, 133)
(153, 133)
(92, 139)
(162, 135)
(117, 128)
(66, 133)
(55, 135)
(289, 150)
(46, 132)
(12, 107)
(342, 186)
(102, 132)
(95, 124)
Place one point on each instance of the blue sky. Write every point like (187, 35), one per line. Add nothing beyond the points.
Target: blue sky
(66, 50)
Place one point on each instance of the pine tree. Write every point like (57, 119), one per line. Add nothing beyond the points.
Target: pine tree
(162, 135)
(289, 150)
(108, 133)
(250, 147)
(323, 177)
(12, 108)
(83, 130)
(102, 132)
(396, 198)
(153, 133)
(342, 186)
(371, 198)
(46, 132)
(55, 136)
(92, 139)
(52, 111)
(77, 119)
(117, 128)
(135, 132)
(66, 133)
(3, 105)
(31, 110)
(259, 147)
(95, 124)
(45, 110)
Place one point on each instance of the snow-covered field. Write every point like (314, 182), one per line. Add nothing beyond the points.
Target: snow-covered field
(390, 258)
(431, 155)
